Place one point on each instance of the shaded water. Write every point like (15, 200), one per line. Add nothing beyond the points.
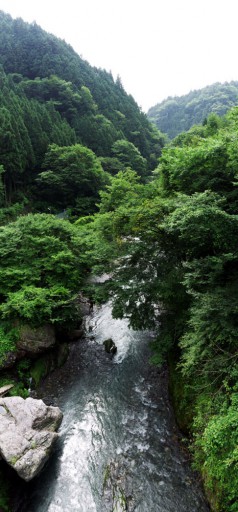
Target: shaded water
(118, 440)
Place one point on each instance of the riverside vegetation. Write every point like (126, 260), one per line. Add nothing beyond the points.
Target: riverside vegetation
(162, 221)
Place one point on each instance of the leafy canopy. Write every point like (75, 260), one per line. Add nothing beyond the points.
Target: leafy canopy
(40, 270)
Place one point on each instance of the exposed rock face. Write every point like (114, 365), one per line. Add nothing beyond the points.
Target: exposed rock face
(36, 340)
(27, 433)
(32, 341)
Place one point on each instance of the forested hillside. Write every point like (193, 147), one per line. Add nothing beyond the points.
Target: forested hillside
(49, 95)
(177, 114)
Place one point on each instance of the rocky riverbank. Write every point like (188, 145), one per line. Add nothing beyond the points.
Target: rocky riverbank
(38, 352)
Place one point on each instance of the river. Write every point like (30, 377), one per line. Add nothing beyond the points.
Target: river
(118, 448)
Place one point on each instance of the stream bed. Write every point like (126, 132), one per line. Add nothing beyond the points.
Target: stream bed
(119, 445)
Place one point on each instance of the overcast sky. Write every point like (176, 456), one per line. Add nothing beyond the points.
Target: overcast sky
(159, 48)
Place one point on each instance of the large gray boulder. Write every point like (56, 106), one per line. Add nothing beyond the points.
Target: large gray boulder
(27, 433)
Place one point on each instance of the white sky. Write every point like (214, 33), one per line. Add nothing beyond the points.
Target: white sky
(159, 48)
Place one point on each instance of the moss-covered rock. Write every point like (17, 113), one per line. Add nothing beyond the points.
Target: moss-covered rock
(110, 346)
(182, 396)
(35, 340)
(48, 362)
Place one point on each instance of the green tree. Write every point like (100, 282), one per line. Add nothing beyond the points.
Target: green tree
(129, 156)
(41, 270)
(73, 178)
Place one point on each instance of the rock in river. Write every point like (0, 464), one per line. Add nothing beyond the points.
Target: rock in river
(110, 346)
(27, 433)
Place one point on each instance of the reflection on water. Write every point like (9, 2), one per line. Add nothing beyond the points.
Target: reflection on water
(118, 438)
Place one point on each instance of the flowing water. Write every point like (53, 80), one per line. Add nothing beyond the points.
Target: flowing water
(118, 447)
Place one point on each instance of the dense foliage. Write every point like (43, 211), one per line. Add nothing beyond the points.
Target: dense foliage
(41, 270)
(178, 114)
(176, 271)
(72, 178)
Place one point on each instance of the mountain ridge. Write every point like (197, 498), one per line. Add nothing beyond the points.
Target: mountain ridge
(177, 114)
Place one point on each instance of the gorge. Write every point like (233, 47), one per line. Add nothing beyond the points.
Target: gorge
(119, 444)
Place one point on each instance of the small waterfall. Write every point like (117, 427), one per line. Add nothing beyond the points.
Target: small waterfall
(30, 384)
